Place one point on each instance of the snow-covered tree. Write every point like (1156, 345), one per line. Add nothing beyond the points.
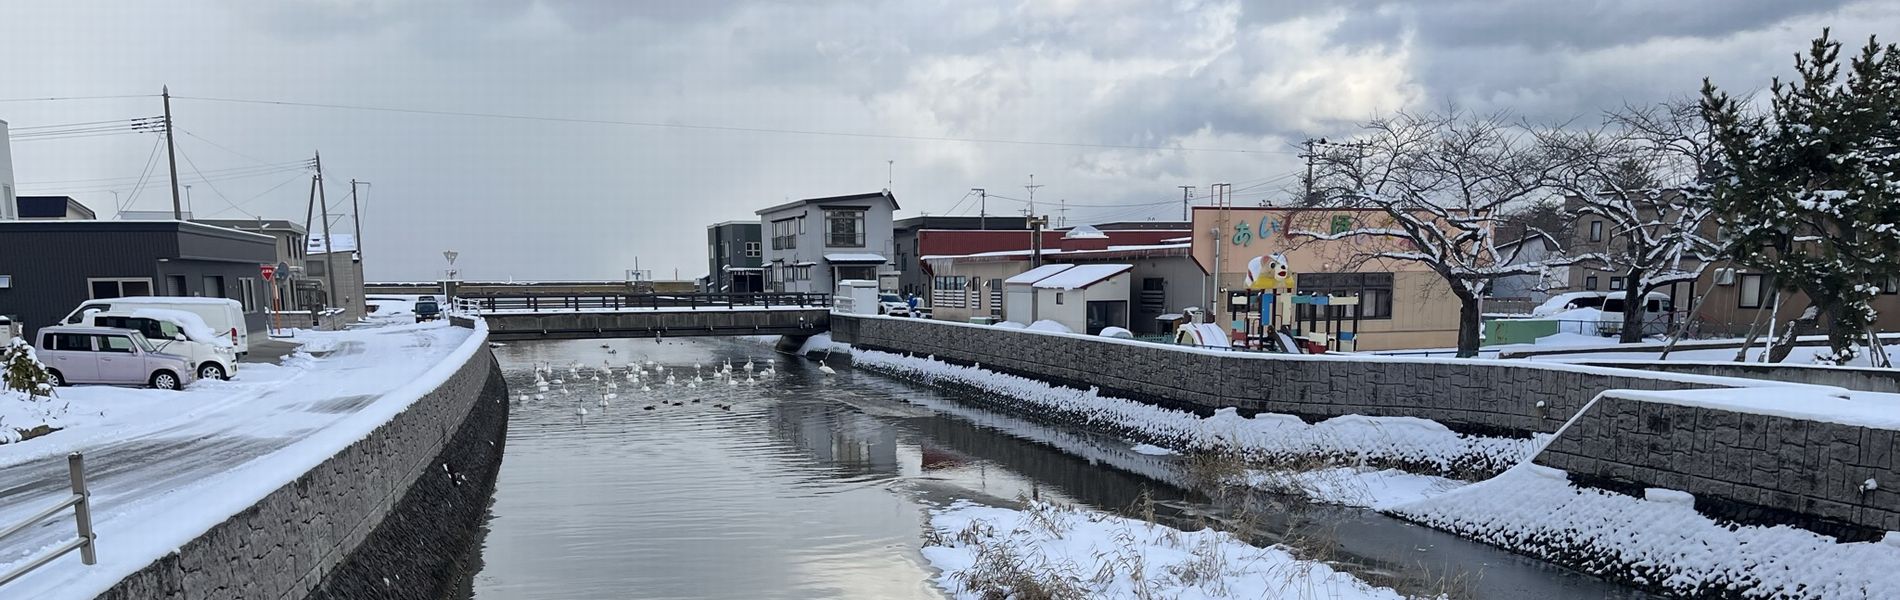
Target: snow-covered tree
(1444, 180)
(22, 371)
(1642, 175)
(1810, 190)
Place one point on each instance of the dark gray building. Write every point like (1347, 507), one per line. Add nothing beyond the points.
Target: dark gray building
(734, 259)
(911, 278)
(48, 267)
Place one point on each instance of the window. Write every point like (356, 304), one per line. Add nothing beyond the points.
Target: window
(1596, 231)
(70, 342)
(725, 249)
(844, 227)
(1152, 284)
(752, 249)
(214, 286)
(151, 328)
(119, 287)
(316, 268)
(175, 286)
(1753, 291)
(1590, 283)
(1058, 297)
(247, 293)
(1890, 285)
(114, 343)
(1616, 283)
(785, 233)
(1373, 289)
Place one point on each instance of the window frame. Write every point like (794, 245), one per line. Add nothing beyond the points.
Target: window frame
(1616, 283)
(118, 283)
(1596, 230)
(1590, 283)
(857, 218)
(1760, 299)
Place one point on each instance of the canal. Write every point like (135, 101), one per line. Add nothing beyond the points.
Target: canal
(808, 485)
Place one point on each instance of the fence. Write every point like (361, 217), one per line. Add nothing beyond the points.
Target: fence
(80, 502)
(565, 303)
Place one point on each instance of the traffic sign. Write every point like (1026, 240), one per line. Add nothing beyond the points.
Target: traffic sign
(269, 271)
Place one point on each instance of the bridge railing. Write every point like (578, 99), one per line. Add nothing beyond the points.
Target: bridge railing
(615, 302)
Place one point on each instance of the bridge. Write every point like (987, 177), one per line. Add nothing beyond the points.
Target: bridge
(573, 316)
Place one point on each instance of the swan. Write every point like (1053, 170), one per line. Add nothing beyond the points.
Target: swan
(582, 411)
(540, 396)
(826, 369)
(748, 365)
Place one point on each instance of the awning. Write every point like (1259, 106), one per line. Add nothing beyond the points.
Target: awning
(861, 258)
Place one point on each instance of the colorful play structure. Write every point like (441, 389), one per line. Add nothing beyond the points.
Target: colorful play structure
(1268, 316)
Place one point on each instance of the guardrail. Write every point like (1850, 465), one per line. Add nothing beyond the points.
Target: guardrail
(81, 504)
(570, 302)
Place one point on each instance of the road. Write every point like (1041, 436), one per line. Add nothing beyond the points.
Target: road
(165, 466)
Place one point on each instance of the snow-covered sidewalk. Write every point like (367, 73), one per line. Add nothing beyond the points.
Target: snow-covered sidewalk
(164, 467)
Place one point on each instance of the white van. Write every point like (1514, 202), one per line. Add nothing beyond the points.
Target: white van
(176, 332)
(224, 315)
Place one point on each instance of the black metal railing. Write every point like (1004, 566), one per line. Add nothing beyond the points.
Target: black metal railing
(694, 301)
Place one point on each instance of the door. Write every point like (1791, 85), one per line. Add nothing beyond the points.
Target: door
(72, 355)
(119, 361)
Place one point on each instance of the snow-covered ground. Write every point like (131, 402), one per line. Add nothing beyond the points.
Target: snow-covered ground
(1071, 552)
(166, 466)
(1660, 541)
(1402, 440)
(1799, 355)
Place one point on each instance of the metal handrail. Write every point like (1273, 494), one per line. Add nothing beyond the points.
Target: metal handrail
(81, 503)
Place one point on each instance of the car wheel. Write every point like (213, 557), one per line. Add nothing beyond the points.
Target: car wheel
(58, 379)
(165, 380)
(212, 370)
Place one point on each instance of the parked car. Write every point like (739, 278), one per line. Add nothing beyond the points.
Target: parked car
(893, 305)
(177, 332)
(109, 355)
(224, 315)
(427, 309)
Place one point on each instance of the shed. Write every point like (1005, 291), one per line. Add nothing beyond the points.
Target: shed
(1019, 293)
(1086, 298)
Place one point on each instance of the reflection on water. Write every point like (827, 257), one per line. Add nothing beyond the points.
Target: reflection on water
(815, 486)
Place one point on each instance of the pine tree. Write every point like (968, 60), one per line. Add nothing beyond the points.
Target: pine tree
(1809, 191)
(22, 370)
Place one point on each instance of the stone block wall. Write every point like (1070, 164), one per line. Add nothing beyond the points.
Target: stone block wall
(289, 543)
(1750, 468)
(1865, 379)
(1488, 397)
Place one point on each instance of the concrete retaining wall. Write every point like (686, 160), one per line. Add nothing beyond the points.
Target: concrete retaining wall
(1750, 468)
(1863, 379)
(1475, 396)
(677, 323)
(297, 541)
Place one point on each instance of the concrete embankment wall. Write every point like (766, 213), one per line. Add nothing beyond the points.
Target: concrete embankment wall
(1863, 379)
(378, 519)
(1478, 396)
(1744, 466)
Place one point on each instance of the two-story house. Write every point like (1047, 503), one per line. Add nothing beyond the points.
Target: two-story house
(734, 258)
(813, 243)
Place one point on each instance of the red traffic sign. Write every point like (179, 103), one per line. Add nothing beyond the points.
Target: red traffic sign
(269, 271)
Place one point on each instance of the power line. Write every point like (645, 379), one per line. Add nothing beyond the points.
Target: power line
(882, 136)
(214, 189)
(64, 98)
(297, 177)
(150, 160)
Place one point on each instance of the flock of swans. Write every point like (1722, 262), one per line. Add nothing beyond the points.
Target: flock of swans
(603, 383)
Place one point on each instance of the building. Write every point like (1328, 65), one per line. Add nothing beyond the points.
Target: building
(291, 250)
(734, 258)
(43, 208)
(1403, 304)
(8, 211)
(1517, 294)
(1084, 298)
(908, 245)
(1164, 278)
(333, 276)
(818, 241)
(49, 267)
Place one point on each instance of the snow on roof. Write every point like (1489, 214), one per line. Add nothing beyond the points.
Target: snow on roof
(172, 300)
(1179, 240)
(1037, 274)
(1081, 276)
(1085, 232)
(855, 257)
(1058, 251)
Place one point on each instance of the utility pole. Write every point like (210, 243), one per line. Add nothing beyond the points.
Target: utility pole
(890, 174)
(187, 196)
(1062, 218)
(323, 205)
(982, 208)
(1032, 195)
(1035, 240)
(171, 153)
(1306, 197)
(356, 214)
(1187, 191)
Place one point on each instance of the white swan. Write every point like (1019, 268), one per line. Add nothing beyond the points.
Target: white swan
(826, 369)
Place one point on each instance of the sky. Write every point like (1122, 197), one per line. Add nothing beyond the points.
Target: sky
(570, 139)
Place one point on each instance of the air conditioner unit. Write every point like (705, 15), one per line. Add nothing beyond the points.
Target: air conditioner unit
(1725, 277)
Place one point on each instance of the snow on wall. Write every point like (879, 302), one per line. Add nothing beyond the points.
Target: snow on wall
(1396, 440)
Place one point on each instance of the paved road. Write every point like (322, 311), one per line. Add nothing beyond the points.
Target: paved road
(269, 350)
(151, 477)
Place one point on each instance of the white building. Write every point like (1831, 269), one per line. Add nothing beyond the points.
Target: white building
(1085, 298)
(8, 208)
(814, 242)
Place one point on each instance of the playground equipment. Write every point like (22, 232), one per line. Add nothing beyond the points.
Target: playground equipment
(1270, 312)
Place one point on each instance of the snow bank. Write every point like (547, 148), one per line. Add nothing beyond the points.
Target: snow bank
(1011, 325)
(1048, 325)
(1362, 487)
(1398, 440)
(1565, 338)
(1666, 544)
(1116, 332)
(983, 551)
(822, 344)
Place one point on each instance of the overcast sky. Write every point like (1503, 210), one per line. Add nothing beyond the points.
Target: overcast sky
(1102, 86)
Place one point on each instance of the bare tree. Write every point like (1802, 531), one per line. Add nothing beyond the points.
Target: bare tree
(1642, 175)
(1443, 180)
